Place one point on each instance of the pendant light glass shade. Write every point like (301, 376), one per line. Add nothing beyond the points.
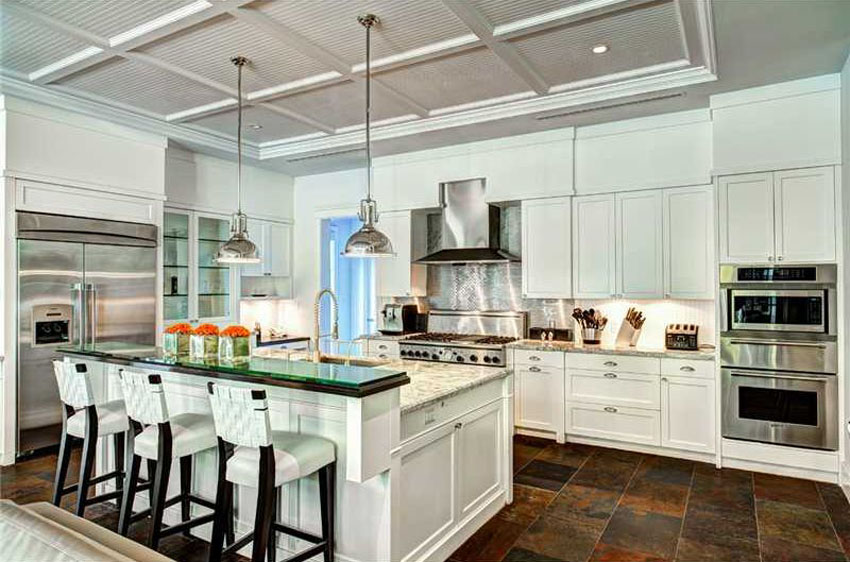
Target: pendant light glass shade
(368, 242)
(239, 249)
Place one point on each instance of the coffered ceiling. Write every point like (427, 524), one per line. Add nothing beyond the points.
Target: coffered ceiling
(438, 65)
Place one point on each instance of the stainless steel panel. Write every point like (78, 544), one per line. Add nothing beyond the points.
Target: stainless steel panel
(120, 294)
(780, 355)
(46, 273)
(825, 274)
(820, 328)
(822, 436)
(43, 226)
(496, 323)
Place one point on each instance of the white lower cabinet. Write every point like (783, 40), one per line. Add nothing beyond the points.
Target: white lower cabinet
(619, 389)
(479, 444)
(539, 391)
(382, 349)
(633, 425)
(687, 413)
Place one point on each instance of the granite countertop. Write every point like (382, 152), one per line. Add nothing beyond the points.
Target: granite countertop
(280, 341)
(388, 337)
(569, 347)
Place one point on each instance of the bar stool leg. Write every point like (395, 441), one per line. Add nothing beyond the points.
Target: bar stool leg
(185, 489)
(327, 497)
(87, 460)
(132, 481)
(118, 442)
(64, 459)
(223, 522)
(271, 552)
(160, 483)
(265, 504)
(230, 528)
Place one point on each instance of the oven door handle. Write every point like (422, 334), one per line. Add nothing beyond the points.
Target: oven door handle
(783, 375)
(785, 343)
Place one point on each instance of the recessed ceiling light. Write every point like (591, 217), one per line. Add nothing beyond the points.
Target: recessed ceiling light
(599, 49)
(254, 126)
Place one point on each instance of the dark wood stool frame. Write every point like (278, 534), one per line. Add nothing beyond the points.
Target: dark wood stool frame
(89, 441)
(265, 523)
(159, 471)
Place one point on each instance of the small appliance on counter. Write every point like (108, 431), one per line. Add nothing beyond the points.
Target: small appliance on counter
(681, 336)
(399, 319)
(550, 334)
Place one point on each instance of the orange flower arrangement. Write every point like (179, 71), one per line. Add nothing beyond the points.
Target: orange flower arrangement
(179, 328)
(206, 330)
(235, 331)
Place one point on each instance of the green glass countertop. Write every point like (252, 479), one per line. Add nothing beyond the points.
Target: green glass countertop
(305, 375)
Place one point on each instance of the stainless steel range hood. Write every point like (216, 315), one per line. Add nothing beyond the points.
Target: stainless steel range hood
(470, 227)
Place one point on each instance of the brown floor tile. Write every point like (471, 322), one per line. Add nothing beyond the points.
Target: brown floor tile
(719, 527)
(792, 523)
(657, 497)
(491, 543)
(583, 501)
(522, 555)
(789, 490)
(690, 550)
(724, 491)
(528, 504)
(528, 441)
(606, 471)
(546, 475)
(778, 550)
(839, 512)
(607, 553)
(653, 534)
(569, 454)
(666, 470)
(521, 459)
(570, 540)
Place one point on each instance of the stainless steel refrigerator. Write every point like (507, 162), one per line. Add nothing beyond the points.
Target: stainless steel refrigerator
(79, 281)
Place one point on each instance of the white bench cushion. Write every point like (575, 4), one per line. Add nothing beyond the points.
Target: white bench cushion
(111, 418)
(295, 456)
(190, 433)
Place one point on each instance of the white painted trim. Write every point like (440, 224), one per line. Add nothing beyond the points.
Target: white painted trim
(662, 121)
(102, 188)
(778, 459)
(769, 468)
(776, 91)
(776, 166)
(224, 213)
(645, 449)
(539, 433)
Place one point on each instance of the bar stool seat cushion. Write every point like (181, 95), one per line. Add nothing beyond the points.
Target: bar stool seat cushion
(295, 456)
(190, 434)
(111, 418)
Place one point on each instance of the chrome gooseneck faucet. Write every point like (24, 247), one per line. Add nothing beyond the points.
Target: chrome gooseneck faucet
(317, 307)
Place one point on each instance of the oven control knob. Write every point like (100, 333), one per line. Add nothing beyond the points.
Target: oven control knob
(435, 357)
(417, 353)
(496, 361)
(487, 359)
(459, 359)
(473, 358)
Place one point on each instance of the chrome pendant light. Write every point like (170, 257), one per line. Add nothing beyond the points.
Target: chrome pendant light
(239, 249)
(368, 242)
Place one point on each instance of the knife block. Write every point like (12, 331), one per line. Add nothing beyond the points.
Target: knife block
(627, 336)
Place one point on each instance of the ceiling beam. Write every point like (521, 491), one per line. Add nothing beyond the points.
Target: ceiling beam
(478, 24)
(307, 47)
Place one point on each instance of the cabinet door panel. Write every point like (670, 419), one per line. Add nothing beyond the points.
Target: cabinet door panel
(279, 253)
(640, 266)
(258, 231)
(687, 413)
(805, 214)
(689, 243)
(614, 389)
(479, 454)
(746, 218)
(540, 398)
(593, 246)
(632, 425)
(546, 248)
(393, 274)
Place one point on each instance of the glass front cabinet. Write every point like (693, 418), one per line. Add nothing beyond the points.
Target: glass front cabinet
(195, 288)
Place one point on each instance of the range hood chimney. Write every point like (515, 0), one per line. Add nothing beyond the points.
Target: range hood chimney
(470, 227)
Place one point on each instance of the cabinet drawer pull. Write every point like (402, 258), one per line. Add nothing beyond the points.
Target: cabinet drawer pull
(611, 409)
(687, 369)
(610, 363)
(533, 358)
(610, 375)
(534, 369)
(382, 346)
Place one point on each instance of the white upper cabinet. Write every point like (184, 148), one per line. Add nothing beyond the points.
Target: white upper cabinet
(689, 242)
(593, 246)
(274, 244)
(786, 216)
(746, 218)
(532, 170)
(546, 248)
(397, 276)
(805, 214)
(640, 267)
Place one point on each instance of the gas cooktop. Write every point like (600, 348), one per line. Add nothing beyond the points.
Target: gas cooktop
(459, 339)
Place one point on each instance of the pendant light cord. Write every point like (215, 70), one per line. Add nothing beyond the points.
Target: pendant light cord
(239, 65)
(368, 112)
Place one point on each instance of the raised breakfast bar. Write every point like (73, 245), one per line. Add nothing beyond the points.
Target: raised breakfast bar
(423, 450)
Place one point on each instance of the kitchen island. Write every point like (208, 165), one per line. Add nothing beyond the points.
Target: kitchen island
(423, 449)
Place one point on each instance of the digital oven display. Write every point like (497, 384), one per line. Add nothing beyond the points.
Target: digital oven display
(777, 274)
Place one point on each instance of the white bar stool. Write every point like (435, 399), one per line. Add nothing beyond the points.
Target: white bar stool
(84, 420)
(159, 438)
(266, 460)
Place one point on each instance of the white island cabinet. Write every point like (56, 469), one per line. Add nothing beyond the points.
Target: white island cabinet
(421, 466)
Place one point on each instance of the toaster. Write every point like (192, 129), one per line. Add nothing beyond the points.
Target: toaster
(681, 336)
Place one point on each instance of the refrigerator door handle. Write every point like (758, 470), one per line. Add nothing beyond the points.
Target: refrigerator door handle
(79, 312)
(91, 305)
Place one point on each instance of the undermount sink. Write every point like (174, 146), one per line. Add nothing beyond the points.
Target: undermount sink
(354, 361)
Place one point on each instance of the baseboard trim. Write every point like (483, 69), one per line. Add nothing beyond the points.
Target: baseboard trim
(794, 472)
(646, 449)
(535, 433)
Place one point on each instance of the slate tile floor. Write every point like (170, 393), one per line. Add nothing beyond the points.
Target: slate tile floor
(578, 503)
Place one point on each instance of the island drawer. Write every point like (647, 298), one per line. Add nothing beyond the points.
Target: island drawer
(633, 425)
(383, 349)
(424, 419)
(620, 389)
(614, 363)
(553, 359)
(687, 367)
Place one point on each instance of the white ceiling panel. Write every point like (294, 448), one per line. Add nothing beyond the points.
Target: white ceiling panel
(106, 17)
(500, 12)
(143, 86)
(636, 38)
(274, 126)
(342, 105)
(207, 48)
(25, 46)
(405, 24)
(459, 79)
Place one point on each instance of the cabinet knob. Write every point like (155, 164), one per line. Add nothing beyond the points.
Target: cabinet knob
(663, 379)
(611, 409)
(769, 258)
(780, 258)
(458, 425)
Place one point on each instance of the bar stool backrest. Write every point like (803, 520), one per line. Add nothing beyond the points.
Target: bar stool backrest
(74, 384)
(144, 397)
(241, 415)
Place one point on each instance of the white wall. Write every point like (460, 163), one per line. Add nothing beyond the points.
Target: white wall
(208, 183)
(318, 196)
(845, 262)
